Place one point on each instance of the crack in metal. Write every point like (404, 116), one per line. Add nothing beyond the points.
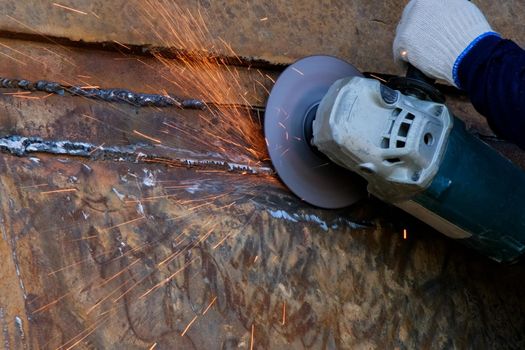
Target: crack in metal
(22, 146)
(108, 95)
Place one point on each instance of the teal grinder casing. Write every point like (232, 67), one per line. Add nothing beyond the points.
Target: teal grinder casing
(417, 156)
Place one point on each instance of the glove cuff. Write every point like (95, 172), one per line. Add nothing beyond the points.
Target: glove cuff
(459, 60)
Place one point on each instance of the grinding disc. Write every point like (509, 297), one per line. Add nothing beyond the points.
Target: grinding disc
(309, 175)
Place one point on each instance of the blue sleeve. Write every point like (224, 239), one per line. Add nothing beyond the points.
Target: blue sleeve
(492, 73)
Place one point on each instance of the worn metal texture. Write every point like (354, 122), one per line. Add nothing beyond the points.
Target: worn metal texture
(72, 66)
(106, 253)
(276, 31)
(106, 69)
(159, 228)
(134, 254)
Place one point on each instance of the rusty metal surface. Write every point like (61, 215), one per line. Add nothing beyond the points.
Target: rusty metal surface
(82, 67)
(72, 66)
(277, 31)
(189, 241)
(128, 263)
(102, 253)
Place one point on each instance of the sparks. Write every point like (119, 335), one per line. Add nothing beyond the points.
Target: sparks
(97, 148)
(65, 190)
(252, 337)
(188, 326)
(69, 9)
(121, 44)
(405, 235)
(298, 71)
(209, 306)
(17, 93)
(283, 322)
(147, 137)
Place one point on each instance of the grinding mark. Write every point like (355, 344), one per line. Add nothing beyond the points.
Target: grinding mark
(20, 327)
(314, 219)
(107, 95)
(5, 329)
(2, 228)
(12, 243)
(17, 268)
(23, 146)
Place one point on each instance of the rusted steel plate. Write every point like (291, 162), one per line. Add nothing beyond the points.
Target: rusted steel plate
(82, 232)
(278, 31)
(81, 67)
(129, 252)
(169, 132)
(125, 258)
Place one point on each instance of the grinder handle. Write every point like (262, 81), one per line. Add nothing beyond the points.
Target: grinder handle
(416, 74)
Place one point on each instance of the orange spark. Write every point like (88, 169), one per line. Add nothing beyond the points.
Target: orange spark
(121, 44)
(96, 149)
(188, 326)
(146, 136)
(70, 9)
(17, 93)
(283, 322)
(115, 290)
(14, 59)
(48, 305)
(209, 306)
(65, 190)
(166, 280)
(86, 333)
(405, 235)
(378, 78)
(27, 97)
(263, 19)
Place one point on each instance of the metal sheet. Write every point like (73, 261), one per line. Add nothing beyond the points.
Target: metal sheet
(277, 31)
(73, 237)
(125, 260)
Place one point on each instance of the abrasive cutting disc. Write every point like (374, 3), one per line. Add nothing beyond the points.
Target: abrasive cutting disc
(308, 174)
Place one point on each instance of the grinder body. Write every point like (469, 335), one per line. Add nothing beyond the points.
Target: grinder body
(417, 156)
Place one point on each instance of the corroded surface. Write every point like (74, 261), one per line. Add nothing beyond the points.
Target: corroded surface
(106, 69)
(135, 253)
(278, 31)
(103, 252)
(188, 241)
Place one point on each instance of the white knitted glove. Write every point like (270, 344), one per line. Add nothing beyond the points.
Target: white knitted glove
(434, 35)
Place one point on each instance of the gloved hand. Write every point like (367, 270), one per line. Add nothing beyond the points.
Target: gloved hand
(434, 35)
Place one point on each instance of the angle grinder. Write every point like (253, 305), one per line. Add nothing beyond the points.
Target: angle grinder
(334, 135)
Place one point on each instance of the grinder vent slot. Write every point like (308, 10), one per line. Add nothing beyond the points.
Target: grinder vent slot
(399, 137)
